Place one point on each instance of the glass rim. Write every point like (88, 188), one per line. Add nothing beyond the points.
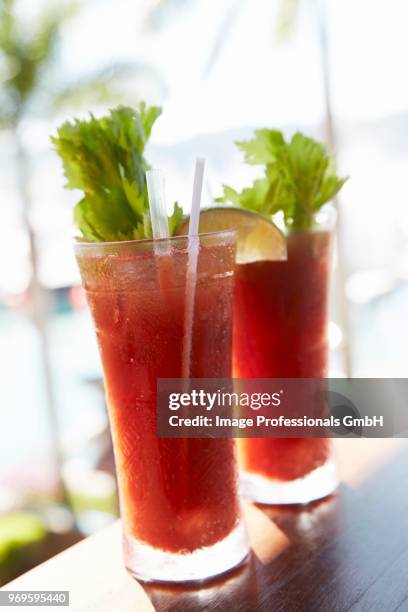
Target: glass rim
(84, 244)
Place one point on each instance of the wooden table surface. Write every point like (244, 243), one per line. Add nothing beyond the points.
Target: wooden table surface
(349, 552)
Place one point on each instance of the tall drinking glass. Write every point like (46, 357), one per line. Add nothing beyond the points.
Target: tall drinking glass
(280, 331)
(178, 497)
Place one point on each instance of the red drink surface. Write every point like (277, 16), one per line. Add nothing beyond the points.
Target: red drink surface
(280, 331)
(175, 494)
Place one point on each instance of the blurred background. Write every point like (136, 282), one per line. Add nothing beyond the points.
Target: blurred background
(334, 69)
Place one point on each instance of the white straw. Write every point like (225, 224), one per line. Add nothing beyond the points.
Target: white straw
(157, 203)
(191, 279)
(195, 204)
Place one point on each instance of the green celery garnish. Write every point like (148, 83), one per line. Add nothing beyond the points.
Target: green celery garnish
(104, 158)
(299, 178)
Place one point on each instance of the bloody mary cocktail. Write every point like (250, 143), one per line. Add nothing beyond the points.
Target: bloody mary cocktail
(178, 497)
(281, 307)
(280, 331)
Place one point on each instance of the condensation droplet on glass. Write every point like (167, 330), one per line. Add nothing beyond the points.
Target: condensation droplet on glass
(116, 316)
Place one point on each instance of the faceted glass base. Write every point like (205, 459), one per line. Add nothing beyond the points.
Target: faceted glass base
(323, 481)
(152, 564)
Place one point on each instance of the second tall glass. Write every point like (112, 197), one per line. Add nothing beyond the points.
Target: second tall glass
(178, 497)
(280, 331)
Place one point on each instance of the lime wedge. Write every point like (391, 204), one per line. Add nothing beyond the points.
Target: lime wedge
(258, 238)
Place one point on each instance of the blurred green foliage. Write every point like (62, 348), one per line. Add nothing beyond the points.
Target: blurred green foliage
(25, 54)
(93, 503)
(29, 56)
(286, 19)
(19, 529)
(22, 540)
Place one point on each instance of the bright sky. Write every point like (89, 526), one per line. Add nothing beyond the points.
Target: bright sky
(255, 79)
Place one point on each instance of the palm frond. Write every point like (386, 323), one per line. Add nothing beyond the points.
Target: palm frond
(286, 20)
(29, 81)
(29, 53)
(7, 25)
(48, 29)
(102, 86)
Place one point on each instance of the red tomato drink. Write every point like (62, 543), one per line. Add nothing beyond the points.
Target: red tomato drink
(178, 497)
(280, 331)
